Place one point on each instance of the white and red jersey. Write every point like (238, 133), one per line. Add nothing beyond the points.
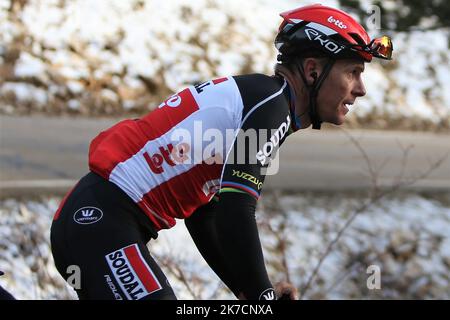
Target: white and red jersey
(164, 161)
(138, 155)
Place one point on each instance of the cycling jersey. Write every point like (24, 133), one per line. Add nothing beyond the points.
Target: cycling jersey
(214, 138)
(169, 175)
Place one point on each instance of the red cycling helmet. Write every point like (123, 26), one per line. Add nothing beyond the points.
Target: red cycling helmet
(318, 30)
(329, 30)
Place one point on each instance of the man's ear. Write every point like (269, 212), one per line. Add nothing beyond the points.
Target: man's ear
(312, 68)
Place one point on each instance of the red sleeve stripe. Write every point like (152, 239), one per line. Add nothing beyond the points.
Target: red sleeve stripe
(217, 81)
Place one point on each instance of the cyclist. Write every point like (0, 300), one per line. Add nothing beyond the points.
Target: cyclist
(177, 163)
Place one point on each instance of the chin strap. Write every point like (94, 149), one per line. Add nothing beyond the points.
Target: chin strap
(297, 124)
(313, 91)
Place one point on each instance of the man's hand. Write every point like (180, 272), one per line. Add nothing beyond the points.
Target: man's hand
(286, 291)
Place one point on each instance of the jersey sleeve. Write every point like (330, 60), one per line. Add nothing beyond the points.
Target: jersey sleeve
(265, 124)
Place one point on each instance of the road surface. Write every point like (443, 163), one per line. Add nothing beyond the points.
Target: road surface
(44, 154)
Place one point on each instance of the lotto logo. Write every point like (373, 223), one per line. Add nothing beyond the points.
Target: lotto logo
(337, 22)
(170, 155)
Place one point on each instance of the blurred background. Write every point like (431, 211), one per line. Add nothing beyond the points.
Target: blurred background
(375, 193)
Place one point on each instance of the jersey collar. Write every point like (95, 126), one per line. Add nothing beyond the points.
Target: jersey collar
(296, 124)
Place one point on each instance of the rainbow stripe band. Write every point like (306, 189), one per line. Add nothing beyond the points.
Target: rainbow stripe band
(239, 186)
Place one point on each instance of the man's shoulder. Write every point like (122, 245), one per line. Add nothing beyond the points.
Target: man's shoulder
(258, 87)
(259, 82)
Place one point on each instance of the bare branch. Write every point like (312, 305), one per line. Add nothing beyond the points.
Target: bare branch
(330, 247)
(370, 167)
(408, 182)
(376, 195)
(174, 268)
(383, 164)
(404, 161)
(280, 235)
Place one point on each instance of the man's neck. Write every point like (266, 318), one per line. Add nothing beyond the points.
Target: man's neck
(298, 105)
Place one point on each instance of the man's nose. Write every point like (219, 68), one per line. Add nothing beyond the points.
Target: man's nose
(359, 90)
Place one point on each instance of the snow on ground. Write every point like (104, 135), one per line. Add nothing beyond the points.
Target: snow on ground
(142, 51)
(406, 236)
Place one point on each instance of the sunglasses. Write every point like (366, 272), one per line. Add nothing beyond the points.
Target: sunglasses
(379, 47)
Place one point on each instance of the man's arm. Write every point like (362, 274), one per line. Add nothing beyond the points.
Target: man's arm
(238, 233)
(265, 124)
(218, 230)
(231, 229)
(202, 228)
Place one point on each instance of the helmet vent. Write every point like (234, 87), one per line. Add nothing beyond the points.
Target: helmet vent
(357, 38)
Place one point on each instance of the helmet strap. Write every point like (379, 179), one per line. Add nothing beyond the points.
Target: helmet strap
(313, 91)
